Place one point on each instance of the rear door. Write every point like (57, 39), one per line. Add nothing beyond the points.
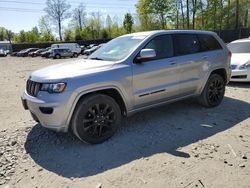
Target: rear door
(190, 61)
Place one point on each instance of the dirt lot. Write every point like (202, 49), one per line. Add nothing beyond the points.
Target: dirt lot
(178, 145)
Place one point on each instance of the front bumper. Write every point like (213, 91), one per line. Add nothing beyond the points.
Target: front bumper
(55, 119)
(240, 75)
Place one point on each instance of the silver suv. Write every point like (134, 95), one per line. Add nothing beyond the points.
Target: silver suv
(130, 73)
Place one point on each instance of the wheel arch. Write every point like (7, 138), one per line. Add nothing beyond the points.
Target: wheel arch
(220, 71)
(113, 92)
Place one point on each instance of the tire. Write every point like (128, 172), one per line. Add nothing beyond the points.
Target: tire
(213, 92)
(96, 118)
(75, 55)
(57, 56)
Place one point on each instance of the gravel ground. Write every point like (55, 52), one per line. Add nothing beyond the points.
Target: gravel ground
(178, 145)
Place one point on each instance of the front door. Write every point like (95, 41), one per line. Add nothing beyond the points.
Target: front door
(157, 79)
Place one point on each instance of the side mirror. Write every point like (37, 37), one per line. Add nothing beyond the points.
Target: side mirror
(146, 54)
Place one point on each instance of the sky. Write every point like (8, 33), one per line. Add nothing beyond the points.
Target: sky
(19, 15)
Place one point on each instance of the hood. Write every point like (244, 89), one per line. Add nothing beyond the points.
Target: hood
(240, 58)
(70, 69)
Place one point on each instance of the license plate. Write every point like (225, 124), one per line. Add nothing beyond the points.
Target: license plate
(24, 102)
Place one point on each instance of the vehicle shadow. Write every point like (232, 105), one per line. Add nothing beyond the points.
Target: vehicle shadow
(159, 130)
(239, 84)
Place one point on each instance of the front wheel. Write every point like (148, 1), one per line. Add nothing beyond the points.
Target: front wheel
(213, 93)
(96, 118)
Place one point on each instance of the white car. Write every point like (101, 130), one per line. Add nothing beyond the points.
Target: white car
(3, 53)
(74, 47)
(240, 60)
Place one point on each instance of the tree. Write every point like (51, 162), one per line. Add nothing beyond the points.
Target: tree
(187, 4)
(68, 35)
(44, 25)
(2, 33)
(128, 22)
(194, 9)
(9, 35)
(79, 15)
(237, 15)
(161, 9)
(58, 11)
(109, 25)
(144, 12)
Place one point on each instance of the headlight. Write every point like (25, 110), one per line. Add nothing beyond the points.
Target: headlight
(54, 88)
(245, 66)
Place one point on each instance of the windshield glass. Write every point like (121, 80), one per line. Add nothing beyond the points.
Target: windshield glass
(239, 47)
(117, 49)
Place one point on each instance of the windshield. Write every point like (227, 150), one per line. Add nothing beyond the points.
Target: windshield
(117, 49)
(239, 47)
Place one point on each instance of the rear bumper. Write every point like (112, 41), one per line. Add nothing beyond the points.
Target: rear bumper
(240, 76)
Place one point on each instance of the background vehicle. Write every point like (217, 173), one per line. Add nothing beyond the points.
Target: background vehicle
(240, 62)
(58, 53)
(3, 53)
(46, 53)
(92, 50)
(38, 52)
(24, 53)
(128, 74)
(74, 47)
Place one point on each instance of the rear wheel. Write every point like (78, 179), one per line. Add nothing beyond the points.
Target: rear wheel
(75, 55)
(96, 118)
(57, 56)
(213, 93)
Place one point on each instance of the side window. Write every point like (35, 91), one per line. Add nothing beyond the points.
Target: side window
(162, 45)
(186, 44)
(208, 43)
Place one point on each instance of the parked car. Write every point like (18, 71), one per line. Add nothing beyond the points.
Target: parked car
(38, 52)
(92, 50)
(13, 54)
(240, 62)
(57, 53)
(83, 48)
(24, 53)
(46, 54)
(130, 73)
(73, 47)
(3, 53)
(91, 46)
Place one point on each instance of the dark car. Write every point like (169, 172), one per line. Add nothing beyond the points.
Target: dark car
(38, 52)
(24, 53)
(46, 53)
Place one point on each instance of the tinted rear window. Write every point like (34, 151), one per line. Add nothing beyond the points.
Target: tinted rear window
(208, 42)
(186, 44)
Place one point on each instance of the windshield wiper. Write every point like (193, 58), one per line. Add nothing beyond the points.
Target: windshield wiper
(96, 58)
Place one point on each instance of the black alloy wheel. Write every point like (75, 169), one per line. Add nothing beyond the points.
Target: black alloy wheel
(96, 119)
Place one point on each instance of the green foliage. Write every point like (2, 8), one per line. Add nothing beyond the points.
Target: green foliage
(68, 35)
(2, 33)
(128, 22)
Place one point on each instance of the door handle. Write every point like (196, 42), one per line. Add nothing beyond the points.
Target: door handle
(205, 57)
(172, 63)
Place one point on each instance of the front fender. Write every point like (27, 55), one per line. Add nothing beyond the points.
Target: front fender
(90, 89)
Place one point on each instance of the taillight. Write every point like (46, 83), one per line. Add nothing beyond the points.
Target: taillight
(229, 54)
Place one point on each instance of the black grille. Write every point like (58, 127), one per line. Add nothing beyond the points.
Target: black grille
(33, 88)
